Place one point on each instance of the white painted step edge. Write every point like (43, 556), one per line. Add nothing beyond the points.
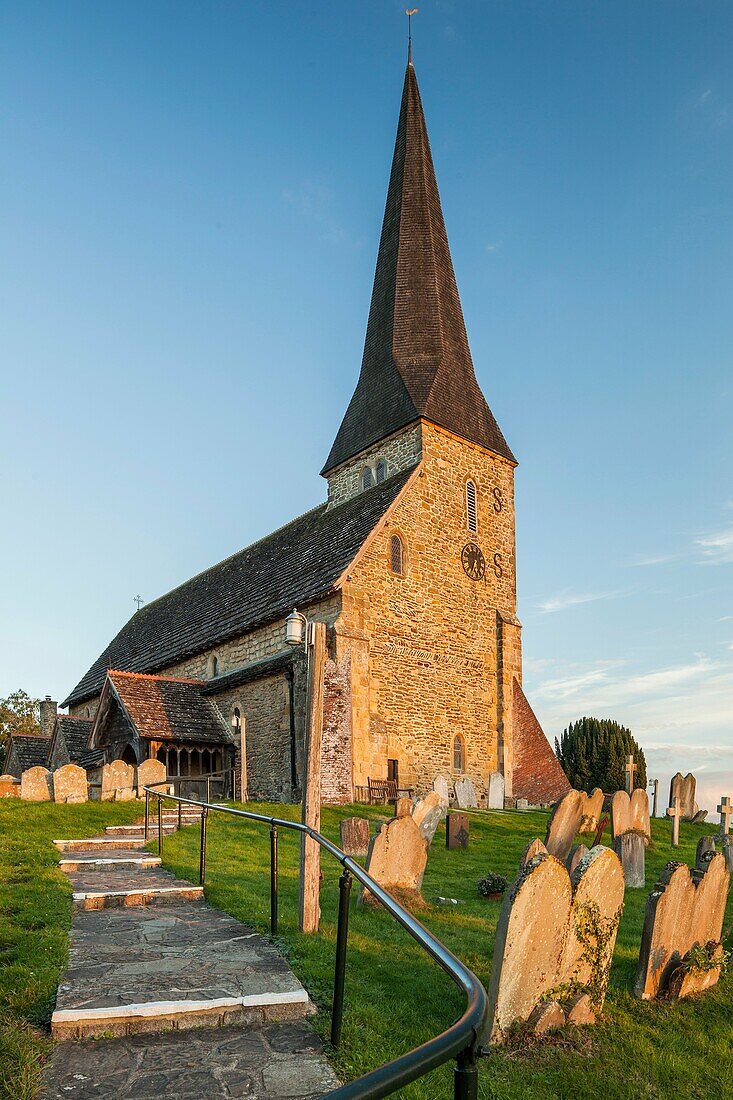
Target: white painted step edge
(140, 890)
(170, 1008)
(149, 861)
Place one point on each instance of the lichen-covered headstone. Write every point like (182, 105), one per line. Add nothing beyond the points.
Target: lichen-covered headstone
(150, 773)
(36, 785)
(704, 852)
(440, 786)
(427, 814)
(577, 852)
(591, 811)
(354, 836)
(9, 787)
(118, 782)
(534, 848)
(398, 855)
(683, 787)
(690, 978)
(70, 784)
(465, 793)
(685, 908)
(495, 796)
(554, 930)
(727, 851)
(630, 814)
(564, 824)
(631, 850)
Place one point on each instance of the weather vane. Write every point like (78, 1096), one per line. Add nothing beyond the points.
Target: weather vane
(139, 601)
(409, 12)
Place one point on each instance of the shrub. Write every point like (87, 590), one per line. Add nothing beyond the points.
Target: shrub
(491, 884)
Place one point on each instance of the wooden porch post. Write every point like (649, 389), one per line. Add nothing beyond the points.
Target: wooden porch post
(310, 853)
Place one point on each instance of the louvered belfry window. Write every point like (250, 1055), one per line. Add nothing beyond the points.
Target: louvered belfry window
(396, 555)
(459, 761)
(471, 512)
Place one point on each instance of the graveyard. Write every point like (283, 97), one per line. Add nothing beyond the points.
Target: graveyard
(395, 997)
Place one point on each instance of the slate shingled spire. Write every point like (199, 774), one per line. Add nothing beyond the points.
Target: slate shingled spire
(417, 363)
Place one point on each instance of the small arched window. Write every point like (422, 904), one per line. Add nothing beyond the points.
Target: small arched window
(237, 720)
(471, 511)
(396, 555)
(367, 479)
(213, 666)
(459, 754)
(381, 471)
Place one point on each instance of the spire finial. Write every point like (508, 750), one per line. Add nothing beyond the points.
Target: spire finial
(409, 12)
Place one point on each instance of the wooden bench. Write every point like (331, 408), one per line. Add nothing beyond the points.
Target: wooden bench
(382, 791)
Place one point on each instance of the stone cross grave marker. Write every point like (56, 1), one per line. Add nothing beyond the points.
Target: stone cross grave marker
(683, 787)
(36, 785)
(354, 836)
(456, 831)
(496, 791)
(70, 784)
(398, 855)
(725, 809)
(684, 909)
(465, 793)
(427, 814)
(630, 770)
(543, 936)
(675, 812)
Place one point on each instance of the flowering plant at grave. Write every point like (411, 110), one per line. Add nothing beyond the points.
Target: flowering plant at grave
(706, 957)
(491, 884)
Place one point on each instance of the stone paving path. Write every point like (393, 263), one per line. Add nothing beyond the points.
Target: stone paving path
(149, 961)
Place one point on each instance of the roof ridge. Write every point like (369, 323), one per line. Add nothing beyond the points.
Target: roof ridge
(154, 676)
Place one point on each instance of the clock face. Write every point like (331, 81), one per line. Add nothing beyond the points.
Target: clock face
(473, 561)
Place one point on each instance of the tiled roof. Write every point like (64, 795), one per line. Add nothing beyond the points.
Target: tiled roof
(29, 751)
(75, 733)
(163, 708)
(417, 362)
(537, 774)
(267, 666)
(297, 564)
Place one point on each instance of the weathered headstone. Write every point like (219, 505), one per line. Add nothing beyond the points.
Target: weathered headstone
(725, 809)
(577, 852)
(398, 855)
(522, 804)
(495, 795)
(699, 817)
(118, 782)
(564, 824)
(533, 849)
(456, 831)
(683, 787)
(354, 836)
(70, 784)
(545, 937)
(465, 793)
(427, 814)
(704, 852)
(727, 850)
(591, 811)
(675, 812)
(630, 769)
(36, 785)
(631, 850)
(682, 910)
(9, 787)
(630, 815)
(689, 979)
(151, 773)
(440, 786)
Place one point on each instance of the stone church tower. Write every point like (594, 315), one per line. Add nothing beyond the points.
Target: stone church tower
(410, 563)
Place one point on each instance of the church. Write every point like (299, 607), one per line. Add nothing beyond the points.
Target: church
(410, 563)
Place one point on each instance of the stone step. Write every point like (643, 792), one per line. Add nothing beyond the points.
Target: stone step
(106, 863)
(184, 966)
(142, 895)
(100, 843)
(138, 830)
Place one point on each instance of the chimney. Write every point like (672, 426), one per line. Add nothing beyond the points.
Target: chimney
(49, 707)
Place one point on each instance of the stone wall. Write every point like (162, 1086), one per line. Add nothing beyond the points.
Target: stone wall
(400, 452)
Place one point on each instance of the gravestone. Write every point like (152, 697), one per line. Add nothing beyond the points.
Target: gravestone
(591, 811)
(688, 979)
(675, 813)
(630, 770)
(727, 851)
(428, 813)
(397, 858)
(699, 817)
(631, 850)
(118, 782)
(533, 849)
(630, 814)
(683, 787)
(354, 836)
(440, 786)
(685, 908)
(151, 773)
(456, 831)
(495, 795)
(70, 784)
(465, 793)
(542, 937)
(522, 804)
(9, 787)
(577, 852)
(36, 785)
(704, 852)
(564, 824)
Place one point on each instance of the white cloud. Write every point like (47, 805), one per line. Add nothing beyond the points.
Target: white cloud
(573, 599)
(492, 247)
(717, 547)
(656, 559)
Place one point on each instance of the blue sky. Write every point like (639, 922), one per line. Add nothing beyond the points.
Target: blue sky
(190, 202)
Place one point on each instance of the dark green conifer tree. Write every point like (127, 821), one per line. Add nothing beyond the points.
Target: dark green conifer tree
(593, 752)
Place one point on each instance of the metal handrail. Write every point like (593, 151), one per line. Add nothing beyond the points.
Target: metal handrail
(460, 1041)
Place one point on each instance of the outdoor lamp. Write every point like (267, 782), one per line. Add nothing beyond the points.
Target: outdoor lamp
(295, 628)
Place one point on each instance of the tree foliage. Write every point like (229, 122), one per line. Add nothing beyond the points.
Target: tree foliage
(18, 714)
(593, 752)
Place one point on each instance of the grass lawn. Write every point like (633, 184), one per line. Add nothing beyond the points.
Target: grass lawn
(395, 998)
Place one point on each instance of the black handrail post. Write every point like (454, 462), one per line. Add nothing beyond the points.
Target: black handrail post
(273, 880)
(208, 788)
(160, 825)
(147, 812)
(180, 806)
(202, 853)
(465, 1079)
(342, 936)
